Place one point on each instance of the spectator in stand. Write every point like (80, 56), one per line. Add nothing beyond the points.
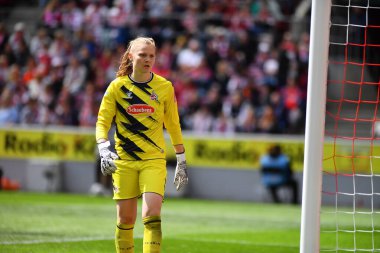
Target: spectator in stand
(48, 116)
(186, 93)
(56, 75)
(75, 76)
(214, 101)
(52, 15)
(157, 8)
(277, 103)
(36, 85)
(22, 54)
(125, 5)
(16, 86)
(9, 113)
(246, 121)
(57, 47)
(43, 58)
(95, 17)
(4, 71)
(303, 62)
(47, 96)
(233, 105)
(18, 38)
(89, 114)
(190, 21)
(219, 45)
(190, 57)
(238, 80)
(87, 57)
(105, 59)
(39, 40)
(223, 124)
(72, 16)
(267, 122)
(97, 76)
(14, 79)
(270, 70)
(165, 58)
(264, 96)
(30, 113)
(241, 19)
(9, 54)
(222, 76)
(287, 58)
(17, 44)
(30, 70)
(66, 113)
(201, 76)
(88, 101)
(292, 102)
(117, 20)
(4, 36)
(202, 120)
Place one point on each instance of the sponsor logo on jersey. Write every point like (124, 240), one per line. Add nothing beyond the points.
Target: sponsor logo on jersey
(129, 95)
(154, 96)
(140, 109)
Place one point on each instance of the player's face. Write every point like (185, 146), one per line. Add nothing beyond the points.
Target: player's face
(143, 57)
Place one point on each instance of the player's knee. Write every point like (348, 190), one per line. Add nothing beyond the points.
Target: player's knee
(151, 211)
(126, 220)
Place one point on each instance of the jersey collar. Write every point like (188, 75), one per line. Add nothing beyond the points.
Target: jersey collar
(150, 79)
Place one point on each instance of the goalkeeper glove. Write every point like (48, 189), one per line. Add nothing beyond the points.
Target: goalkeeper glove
(180, 174)
(107, 164)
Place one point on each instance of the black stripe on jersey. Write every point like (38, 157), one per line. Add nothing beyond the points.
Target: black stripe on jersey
(129, 146)
(142, 135)
(133, 121)
(134, 100)
(142, 86)
(135, 126)
(145, 87)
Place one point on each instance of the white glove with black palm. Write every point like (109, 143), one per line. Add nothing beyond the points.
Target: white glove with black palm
(107, 158)
(180, 174)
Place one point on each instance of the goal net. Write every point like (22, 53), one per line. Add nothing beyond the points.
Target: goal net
(350, 194)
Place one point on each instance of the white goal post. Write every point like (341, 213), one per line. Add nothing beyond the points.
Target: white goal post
(315, 121)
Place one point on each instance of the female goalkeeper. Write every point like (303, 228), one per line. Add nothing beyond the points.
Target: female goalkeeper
(140, 103)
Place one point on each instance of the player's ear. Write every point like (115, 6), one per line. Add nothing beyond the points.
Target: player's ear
(130, 55)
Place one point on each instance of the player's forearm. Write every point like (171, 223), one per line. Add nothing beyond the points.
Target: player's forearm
(102, 128)
(179, 149)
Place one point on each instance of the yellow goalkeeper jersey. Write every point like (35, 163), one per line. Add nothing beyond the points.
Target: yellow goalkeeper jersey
(140, 112)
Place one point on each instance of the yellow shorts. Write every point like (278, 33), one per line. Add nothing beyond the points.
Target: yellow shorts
(133, 178)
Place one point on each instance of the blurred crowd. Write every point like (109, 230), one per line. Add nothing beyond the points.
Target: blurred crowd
(235, 67)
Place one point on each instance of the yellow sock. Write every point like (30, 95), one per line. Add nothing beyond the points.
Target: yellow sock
(152, 234)
(124, 238)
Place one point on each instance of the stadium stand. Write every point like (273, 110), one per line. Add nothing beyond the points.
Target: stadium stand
(236, 65)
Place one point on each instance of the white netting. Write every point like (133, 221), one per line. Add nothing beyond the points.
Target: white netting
(350, 213)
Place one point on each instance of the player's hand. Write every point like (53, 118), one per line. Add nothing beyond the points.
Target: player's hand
(107, 158)
(180, 174)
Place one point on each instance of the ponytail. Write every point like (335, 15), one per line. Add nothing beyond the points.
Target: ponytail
(125, 67)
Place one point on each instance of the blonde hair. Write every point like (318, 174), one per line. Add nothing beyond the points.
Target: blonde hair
(126, 67)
